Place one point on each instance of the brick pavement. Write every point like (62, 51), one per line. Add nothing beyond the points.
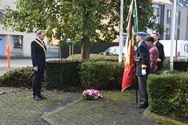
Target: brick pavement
(115, 109)
(18, 107)
(64, 108)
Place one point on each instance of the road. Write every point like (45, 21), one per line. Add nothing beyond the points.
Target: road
(15, 63)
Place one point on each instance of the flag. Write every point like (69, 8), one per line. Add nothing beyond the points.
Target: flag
(132, 27)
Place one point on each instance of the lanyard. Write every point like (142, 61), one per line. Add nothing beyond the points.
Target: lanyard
(41, 46)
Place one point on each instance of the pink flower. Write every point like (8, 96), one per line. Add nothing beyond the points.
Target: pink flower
(91, 94)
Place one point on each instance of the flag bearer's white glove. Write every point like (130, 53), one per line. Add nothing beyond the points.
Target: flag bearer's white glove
(143, 72)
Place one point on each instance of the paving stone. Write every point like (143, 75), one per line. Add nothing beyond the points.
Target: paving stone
(115, 108)
(62, 108)
(19, 108)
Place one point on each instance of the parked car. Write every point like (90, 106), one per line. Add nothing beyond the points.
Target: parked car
(53, 51)
(111, 51)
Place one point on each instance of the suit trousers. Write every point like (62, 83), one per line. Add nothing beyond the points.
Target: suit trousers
(142, 84)
(159, 66)
(37, 80)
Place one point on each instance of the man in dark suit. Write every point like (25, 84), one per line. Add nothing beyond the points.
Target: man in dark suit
(38, 54)
(142, 68)
(160, 48)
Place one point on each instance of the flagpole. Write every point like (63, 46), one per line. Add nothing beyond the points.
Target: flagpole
(136, 14)
(136, 29)
(173, 35)
(121, 33)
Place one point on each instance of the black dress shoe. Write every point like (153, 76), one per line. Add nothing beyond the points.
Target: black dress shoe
(142, 106)
(37, 98)
(43, 97)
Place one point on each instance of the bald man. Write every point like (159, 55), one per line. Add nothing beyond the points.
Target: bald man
(160, 48)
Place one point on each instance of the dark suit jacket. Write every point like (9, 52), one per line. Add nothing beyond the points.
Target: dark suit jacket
(143, 57)
(161, 55)
(161, 51)
(38, 54)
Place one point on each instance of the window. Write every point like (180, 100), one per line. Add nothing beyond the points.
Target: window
(156, 11)
(1, 12)
(167, 34)
(18, 41)
(179, 18)
(178, 34)
(187, 29)
(168, 16)
(156, 14)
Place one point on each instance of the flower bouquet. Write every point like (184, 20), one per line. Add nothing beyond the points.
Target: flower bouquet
(91, 94)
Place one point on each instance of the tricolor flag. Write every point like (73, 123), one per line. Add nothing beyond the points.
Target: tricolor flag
(132, 29)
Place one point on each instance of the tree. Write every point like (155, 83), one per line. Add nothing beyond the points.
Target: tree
(146, 19)
(80, 20)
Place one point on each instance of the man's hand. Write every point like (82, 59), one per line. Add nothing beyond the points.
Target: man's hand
(143, 72)
(35, 68)
(158, 60)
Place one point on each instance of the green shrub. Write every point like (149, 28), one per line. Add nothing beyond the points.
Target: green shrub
(21, 77)
(94, 57)
(168, 94)
(62, 74)
(166, 63)
(180, 64)
(101, 75)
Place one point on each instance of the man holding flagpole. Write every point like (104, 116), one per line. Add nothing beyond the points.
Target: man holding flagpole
(142, 68)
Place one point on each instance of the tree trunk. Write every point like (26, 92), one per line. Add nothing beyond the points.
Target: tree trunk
(85, 48)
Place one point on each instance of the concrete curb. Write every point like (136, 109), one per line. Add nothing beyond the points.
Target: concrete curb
(162, 119)
(16, 57)
(44, 117)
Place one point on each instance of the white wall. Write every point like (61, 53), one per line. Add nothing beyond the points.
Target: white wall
(182, 48)
(10, 3)
(179, 46)
(27, 39)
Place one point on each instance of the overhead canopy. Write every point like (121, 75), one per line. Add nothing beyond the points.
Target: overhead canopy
(162, 1)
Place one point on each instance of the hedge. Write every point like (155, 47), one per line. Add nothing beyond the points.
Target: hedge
(83, 75)
(95, 47)
(180, 64)
(168, 94)
(62, 74)
(166, 63)
(21, 77)
(101, 75)
(94, 57)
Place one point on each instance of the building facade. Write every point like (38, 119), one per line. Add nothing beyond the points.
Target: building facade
(163, 10)
(19, 42)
